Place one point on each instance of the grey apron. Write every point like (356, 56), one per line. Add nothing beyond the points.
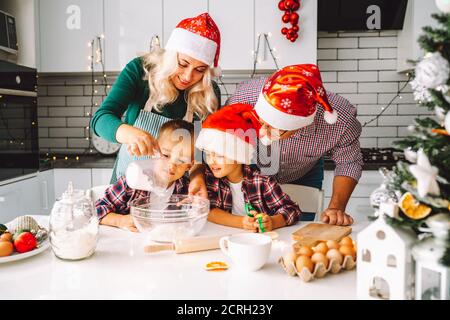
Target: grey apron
(147, 121)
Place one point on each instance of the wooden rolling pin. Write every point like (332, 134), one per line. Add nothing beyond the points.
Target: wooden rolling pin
(187, 245)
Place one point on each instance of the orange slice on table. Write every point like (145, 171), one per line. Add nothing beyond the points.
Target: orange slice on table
(412, 208)
(216, 266)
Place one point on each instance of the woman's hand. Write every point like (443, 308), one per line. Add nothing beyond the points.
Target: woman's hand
(139, 142)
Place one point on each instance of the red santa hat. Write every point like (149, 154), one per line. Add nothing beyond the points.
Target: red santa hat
(198, 37)
(231, 132)
(289, 98)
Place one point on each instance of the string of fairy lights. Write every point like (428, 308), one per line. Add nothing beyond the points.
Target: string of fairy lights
(94, 58)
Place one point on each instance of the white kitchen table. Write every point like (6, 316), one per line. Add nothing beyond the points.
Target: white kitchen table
(119, 269)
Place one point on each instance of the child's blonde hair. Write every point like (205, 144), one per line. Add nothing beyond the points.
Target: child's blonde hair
(159, 66)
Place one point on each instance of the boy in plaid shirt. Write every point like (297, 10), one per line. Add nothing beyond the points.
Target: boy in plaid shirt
(114, 208)
(228, 138)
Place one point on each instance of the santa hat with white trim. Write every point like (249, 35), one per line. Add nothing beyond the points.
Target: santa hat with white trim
(289, 98)
(198, 37)
(231, 132)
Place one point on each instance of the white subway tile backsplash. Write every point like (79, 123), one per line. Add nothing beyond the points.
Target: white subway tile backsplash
(326, 54)
(379, 132)
(66, 132)
(351, 54)
(345, 87)
(387, 53)
(374, 109)
(378, 42)
(361, 66)
(65, 111)
(360, 76)
(369, 87)
(387, 64)
(65, 90)
(391, 76)
(338, 65)
(332, 43)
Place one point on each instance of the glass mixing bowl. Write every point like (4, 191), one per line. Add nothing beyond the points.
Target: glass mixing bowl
(168, 219)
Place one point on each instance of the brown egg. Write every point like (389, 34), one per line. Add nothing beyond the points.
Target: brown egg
(304, 262)
(319, 257)
(321, 247)
(289, 257)
(6, 248)
(331, 244)
(334, 254)
(347, 251)
(7, 236)
(346, 241)
(305, 251)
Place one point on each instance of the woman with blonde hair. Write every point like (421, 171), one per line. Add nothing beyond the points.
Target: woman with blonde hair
(166, 84)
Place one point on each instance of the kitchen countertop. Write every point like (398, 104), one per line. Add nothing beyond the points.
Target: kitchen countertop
(120, 270)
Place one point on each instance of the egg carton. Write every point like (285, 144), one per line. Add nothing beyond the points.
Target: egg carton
(320, 270)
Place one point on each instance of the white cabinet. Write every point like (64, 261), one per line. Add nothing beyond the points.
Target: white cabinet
(235, 20)
(65, 29)
(19, 198)
(268, 20)
(81, 179)
(418, 15)
(129, 28)
(359, 204)
(175, 10)
(46, 189)
(101, 177)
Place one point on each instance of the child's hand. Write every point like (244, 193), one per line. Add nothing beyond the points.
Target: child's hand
(126, 222)
(248, 223)
(266, 223)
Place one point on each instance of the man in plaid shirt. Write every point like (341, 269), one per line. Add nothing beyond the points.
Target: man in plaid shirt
(306, 123)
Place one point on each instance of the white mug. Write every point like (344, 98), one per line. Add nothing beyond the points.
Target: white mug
(248, 251)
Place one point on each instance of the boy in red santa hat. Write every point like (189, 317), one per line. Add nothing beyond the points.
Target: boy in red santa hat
(228, 139)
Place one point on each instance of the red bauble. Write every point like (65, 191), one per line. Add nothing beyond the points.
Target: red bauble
(286, 18)
(293, 18)
(295, 6)
(288, 4)
(281, 5)
(284, 30)
(292, 39)
(295, 28)
(291, 32)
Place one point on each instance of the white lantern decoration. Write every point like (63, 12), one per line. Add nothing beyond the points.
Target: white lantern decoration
(447, 122)
(432, 277)
(385, 265)
(443, 5)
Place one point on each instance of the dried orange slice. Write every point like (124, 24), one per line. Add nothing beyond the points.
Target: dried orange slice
(412, 208)
(441, 131)
(216, 266)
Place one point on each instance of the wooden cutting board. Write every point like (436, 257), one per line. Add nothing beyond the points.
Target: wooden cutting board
(313, 233)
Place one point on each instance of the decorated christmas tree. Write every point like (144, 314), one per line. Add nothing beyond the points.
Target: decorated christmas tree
(422, 184)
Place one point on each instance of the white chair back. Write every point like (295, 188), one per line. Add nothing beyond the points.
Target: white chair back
(309, 199)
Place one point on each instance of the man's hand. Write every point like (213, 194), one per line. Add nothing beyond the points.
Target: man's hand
(336, 216)
(126, 222)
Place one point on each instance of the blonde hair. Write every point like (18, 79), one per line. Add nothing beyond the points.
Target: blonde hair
(159, 66)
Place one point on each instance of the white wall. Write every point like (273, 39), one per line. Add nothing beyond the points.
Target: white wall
(23, 11)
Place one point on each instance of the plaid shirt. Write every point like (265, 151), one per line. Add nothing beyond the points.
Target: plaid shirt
(117, 197)
(262, 192)
(299, 153)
